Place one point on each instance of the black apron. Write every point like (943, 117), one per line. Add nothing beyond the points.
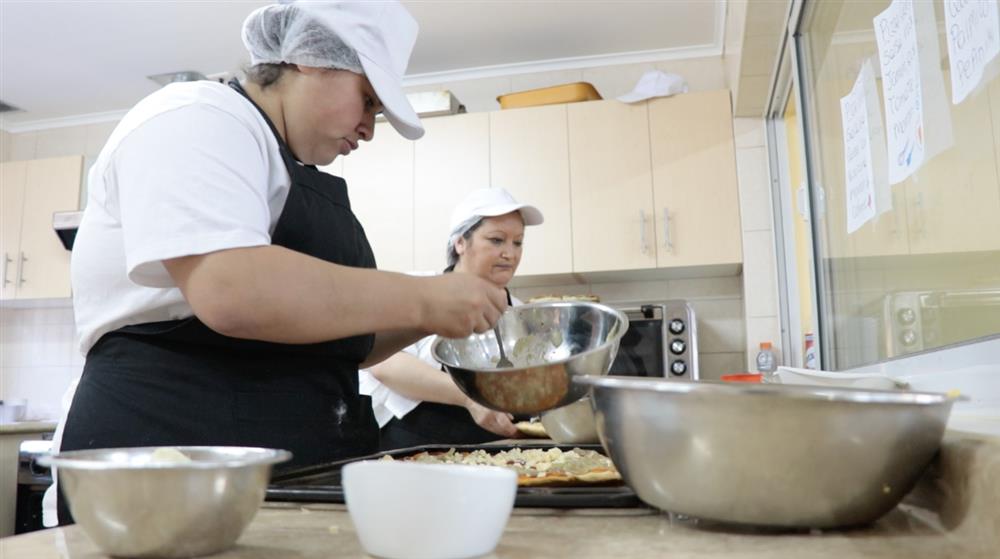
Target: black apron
(435, 423)
(181, 383)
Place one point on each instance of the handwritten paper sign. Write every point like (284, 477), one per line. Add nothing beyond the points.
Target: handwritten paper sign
(858, 171)
(973, 30)
(896, 36)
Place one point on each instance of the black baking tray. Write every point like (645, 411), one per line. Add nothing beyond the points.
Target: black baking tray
(321, 483)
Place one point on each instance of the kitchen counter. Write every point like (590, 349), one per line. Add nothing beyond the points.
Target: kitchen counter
(18, 427)
(953, 512)
(325, 531)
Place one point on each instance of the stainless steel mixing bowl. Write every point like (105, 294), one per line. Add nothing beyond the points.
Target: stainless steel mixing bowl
(549, 343)
(134, 506)
(771, 455)
(572, 424)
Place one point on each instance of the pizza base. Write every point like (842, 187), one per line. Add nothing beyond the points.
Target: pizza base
(534, 467)
(531, 429)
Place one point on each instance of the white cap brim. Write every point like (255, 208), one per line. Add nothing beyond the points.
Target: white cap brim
(530, 214)
(634, 97)
(395, 106)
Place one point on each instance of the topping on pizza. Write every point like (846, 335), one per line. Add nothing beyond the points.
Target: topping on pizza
(534, 466)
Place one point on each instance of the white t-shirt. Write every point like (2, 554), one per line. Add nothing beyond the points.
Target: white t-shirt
(191, 169)
(387, 403)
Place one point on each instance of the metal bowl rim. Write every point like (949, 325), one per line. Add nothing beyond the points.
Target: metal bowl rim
(794, 391)
(608, 342)
(252, 456)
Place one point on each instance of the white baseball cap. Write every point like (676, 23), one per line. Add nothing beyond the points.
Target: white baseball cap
(382, 34)
(655, 83)
(489, 202)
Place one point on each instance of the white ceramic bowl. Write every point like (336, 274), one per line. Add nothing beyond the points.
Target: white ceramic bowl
(428, 511)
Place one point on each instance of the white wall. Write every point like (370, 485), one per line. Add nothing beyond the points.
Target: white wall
(38, 344)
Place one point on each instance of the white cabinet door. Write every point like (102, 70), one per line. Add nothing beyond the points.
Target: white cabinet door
(529, 157)
(379, 178)
(51, 185)
(694, 180)
(11, 209)
(611, 185)
(451, 160)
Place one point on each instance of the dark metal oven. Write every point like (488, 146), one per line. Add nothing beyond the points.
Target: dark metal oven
(661, 341)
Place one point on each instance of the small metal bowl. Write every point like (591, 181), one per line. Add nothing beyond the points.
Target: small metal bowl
(134, 506)
(572, 424)
(767, 454)
(549, 343)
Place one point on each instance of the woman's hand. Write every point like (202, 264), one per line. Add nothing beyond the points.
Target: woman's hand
(493, 421)
(457, 304)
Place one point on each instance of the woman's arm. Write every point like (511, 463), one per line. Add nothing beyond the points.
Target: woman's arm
(275, 294)
(414, 378)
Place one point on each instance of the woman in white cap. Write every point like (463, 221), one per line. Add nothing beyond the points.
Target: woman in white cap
(224, 292)
(416, 402)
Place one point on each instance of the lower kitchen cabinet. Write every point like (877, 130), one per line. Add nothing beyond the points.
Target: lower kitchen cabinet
(35, 265)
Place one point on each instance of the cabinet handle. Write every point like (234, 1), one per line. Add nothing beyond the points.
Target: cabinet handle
(21, 259)
(643, 246)
(667, 242)
(6, 264)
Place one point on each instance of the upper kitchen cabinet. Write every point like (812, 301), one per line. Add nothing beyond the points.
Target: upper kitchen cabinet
(529, 157)
(35, 264)
(451, 160)
(695, 193)
(611, 186)
(379, 178)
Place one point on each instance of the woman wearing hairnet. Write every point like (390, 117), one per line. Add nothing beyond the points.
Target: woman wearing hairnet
(414, 401)
(224, 292)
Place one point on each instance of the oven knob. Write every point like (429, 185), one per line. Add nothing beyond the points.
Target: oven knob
(678, 367)
(676, 326)
(677, 347)
(908, 337)
(906, 316)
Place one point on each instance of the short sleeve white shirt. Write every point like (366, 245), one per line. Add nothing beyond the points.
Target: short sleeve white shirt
(192, 169)
(387, 403)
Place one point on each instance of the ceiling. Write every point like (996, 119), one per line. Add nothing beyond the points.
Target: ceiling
(64, 60)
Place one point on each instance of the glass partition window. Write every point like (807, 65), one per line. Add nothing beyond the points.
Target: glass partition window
(905, 193)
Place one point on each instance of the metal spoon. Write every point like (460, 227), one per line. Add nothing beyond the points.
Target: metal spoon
(503, 363)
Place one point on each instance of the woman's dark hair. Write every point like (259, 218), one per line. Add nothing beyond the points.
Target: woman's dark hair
(453, 254)
(268, 73)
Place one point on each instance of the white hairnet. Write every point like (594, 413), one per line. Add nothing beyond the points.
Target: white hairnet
(288, 33)
(458, 231)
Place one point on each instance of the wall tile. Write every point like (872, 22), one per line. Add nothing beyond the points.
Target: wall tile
(536, 80)
(6, 139)
(748, 132)
(96, 136)
(700, 288)
(612, 81)
(632, 291)
(759, 274)
(43, 387)
(711, 366)
(701, 74)
(23, 146)
(720, 325)
(754, 189)
(59, 142)
(480, 95)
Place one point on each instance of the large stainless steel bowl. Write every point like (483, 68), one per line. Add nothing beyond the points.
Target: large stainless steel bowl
(132, 505)
(549, 344)
(772, 455)
(572, 424)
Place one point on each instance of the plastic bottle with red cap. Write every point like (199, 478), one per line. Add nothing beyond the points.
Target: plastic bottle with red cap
(767, 362)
